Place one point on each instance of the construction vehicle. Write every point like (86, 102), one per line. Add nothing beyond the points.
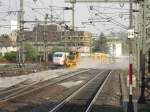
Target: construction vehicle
(72, 59)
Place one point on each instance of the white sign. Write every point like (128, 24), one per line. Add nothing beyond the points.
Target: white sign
(131, 33)
(99, 1)
(14, 25)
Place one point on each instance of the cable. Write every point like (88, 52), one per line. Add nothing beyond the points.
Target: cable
(111, 8)
(9, 5)
(39, 13)
(89, 12)
(42, 3)
(112, 20)
(16, 4)
(4, 16)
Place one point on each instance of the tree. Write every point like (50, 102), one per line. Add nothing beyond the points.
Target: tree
(95, 45)
(31, 53)
(101, 44)
(11, 56)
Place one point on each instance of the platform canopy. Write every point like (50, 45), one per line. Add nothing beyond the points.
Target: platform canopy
(84, 1)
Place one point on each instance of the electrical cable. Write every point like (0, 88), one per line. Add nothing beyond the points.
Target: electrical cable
(42, 3)
(9, 5)
(111, 8)
(113, 20)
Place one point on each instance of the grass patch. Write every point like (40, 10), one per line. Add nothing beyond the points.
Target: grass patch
(144, 108)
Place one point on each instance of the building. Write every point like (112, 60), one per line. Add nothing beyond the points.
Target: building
(46, 38)
(6, 44)
(115, 46)
(81, 40)
(52, 35)
(13, 36)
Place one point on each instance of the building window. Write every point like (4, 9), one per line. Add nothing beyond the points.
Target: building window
(81, 38)
(69, 38)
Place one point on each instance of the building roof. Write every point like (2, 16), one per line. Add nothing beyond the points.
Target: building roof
(51, 33)
(41, 33)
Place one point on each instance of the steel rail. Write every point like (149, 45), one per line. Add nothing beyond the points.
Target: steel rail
(23, 85)
(23, 92)
(97, 94)
(57, 107)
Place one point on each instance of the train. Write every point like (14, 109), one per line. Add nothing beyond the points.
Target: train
(59, 58)
(66, 59)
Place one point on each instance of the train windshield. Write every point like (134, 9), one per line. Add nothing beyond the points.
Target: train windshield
(71, 55)
(57, 55)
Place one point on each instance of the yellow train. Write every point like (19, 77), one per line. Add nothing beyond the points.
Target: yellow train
(72, 59)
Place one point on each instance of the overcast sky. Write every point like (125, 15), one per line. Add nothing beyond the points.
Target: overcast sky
(101, 11)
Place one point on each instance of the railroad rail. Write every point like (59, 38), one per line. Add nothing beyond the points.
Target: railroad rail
(20, 90)
(88, 96)
(93, 86)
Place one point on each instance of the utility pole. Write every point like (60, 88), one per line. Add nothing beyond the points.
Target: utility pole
(45, 40)
(130, 103)
(145, 52)
(21, 34)
(36, 38)
(73, 14)
(51, 16)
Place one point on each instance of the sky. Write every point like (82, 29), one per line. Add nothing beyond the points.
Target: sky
(101, 13)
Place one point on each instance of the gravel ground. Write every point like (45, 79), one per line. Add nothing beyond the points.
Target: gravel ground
(48, 96)
(109, 99)
(121, 63)
(42, 97)
(34, 77)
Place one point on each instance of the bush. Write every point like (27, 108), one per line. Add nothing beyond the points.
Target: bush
(1, 55)
(11, 56)
(31, 53)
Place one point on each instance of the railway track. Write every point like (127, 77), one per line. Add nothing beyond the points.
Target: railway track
(23, 89)
(83, 99)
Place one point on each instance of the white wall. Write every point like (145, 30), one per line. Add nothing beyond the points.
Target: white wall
(118, 49)
(115, 49)
(4, 50)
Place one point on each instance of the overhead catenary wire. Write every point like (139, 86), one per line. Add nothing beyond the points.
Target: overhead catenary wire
(43, 5)
(111, 8)
(111, 19)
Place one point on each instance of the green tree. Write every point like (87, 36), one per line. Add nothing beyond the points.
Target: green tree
(1, 55)
(100, 45)
(95, 45)
(57, 49)
(31, 53)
